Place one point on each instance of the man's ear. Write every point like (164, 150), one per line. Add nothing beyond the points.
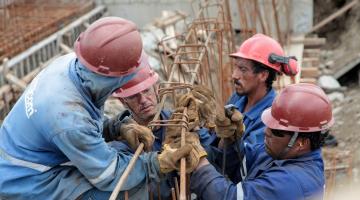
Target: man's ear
(263, 75)
(303, 143)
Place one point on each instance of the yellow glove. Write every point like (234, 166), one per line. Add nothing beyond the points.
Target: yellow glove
(172, 132)
(196, 153)
(134, 133)
(169, 159)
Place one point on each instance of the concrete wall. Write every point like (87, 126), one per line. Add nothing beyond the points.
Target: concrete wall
(302, 15)
(144, 11)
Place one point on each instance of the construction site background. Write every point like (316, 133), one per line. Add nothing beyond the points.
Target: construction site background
(321, 33)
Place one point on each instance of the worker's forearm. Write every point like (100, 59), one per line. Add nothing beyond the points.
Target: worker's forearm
(209, 184)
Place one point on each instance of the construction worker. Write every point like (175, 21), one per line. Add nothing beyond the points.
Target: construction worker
(288, 165)
(51, 142)
(257, 63)
(140, 98)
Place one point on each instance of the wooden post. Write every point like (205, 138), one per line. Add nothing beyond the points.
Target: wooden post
(126, 173)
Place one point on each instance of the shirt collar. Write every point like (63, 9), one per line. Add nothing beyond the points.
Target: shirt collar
(256, 110)
(313, 155)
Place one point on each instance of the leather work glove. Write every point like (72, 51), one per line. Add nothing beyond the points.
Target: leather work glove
(188, 101)
(134, 133)
(174, 131)
(206, 103)
(196, 153)
(230, 129)
(169, 159)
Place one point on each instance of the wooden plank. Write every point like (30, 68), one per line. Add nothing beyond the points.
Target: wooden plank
(309, 42)
(349, 66)
(333, 16)
(314, 42)
(170, 20)
(310, 62)
(308, 80)
(310, 72)
(311, 53)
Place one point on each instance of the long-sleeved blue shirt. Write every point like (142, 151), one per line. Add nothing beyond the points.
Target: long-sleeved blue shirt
(264, 178)
(51, 144)
(254, 133)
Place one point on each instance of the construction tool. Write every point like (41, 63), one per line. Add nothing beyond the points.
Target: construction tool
(126, 173)
(229, 110)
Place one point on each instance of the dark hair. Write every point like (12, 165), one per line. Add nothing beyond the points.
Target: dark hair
(317, 139)
(259, 67)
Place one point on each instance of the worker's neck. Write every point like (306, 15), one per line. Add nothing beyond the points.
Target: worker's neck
(254, 97)
(143, 122)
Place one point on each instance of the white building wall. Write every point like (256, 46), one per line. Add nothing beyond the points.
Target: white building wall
(143, 12)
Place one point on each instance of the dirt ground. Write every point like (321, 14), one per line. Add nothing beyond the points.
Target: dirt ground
(346, 130)
(341, 34)
(343, 46)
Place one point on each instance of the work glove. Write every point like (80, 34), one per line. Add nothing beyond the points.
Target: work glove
(204, 109)
(196, 153)
(206, 103)
(189, 101)
(169, 158)
(174, 129)
(229, 129)
(134, 134)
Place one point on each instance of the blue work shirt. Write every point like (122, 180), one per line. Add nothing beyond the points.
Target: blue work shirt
(51, 144)
(265, 178)
(254, 127)
(254, 133)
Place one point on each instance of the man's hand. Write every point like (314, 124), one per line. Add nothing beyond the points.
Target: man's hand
(134, 133)
(169, 159)
(188, 101)
(197, 152)
(229, 129)
(201, 105)
(206, 103)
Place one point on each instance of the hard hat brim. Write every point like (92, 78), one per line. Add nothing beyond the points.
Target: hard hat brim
(238, 55)
(138, 88)
(273, 123)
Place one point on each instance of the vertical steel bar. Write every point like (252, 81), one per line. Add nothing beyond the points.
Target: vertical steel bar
(183, 162)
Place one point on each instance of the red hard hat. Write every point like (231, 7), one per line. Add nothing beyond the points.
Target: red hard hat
(111, 46)
(264, 49)
(300, 107)
(144, 78)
